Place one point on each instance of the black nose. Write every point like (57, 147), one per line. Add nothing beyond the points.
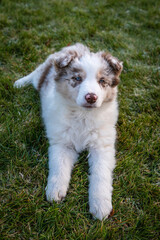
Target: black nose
(91, 98)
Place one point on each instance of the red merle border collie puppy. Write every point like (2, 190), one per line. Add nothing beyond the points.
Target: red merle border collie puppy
(78, 91)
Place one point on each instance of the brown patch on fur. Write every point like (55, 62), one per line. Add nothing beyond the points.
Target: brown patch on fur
(115, 82)
(60, 74)
(76, 72)
(43, 76)
(64, 61)
(108, 77)
(74, 83)
(102, 75)
(113, 62)
(69, 74)
(109, 82)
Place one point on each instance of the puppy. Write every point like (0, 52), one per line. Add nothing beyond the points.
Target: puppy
(78, 91)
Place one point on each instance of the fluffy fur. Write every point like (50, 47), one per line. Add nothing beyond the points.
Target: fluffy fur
(78, 91)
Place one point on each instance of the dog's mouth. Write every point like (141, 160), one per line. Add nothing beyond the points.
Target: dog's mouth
(89, 106)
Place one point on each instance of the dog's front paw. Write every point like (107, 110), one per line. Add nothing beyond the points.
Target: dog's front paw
(18, 84)
(55, 191)
(100, 208)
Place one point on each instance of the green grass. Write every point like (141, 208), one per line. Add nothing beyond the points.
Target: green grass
(30, 31)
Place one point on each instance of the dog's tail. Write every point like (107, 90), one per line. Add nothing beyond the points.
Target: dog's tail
(36, 76)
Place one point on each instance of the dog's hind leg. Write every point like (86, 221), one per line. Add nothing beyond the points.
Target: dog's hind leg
(25, 80)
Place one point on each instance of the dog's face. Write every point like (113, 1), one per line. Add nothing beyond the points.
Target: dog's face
(86, 78)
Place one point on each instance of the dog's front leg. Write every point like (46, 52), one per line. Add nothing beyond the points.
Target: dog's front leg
(102, 163)
(61, 161)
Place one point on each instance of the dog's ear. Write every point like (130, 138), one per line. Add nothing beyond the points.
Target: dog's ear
(113, 62)
(63, 59)
(115, 65)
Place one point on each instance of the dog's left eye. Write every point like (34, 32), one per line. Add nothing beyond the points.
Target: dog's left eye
(78, 79)
(102, 81)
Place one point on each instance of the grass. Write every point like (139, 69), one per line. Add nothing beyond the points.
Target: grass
(30, 31)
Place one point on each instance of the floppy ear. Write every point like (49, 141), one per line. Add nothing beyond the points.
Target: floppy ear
(113, 62)
(63, 59)
(115, 65)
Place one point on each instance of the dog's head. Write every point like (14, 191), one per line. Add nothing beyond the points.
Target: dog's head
(86, 78)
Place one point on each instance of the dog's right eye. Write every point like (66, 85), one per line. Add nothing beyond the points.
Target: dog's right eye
(78, 79)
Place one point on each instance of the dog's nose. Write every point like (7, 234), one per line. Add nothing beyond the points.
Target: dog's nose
(91, 98)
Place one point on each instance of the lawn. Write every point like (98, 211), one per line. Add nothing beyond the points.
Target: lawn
(30, 31)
